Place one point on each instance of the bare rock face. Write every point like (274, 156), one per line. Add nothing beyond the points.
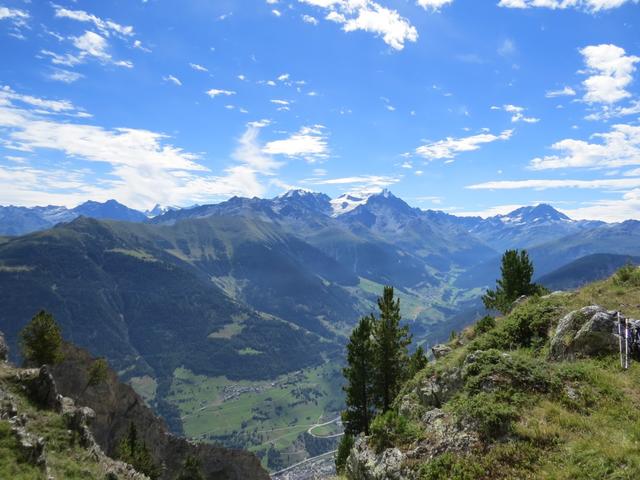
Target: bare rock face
(435, 390)
(42, 389)
(444, 434)
(590, 331)
(440, 350)
(4, 349)
(364, 464)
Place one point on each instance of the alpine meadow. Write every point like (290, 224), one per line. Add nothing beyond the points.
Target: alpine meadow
(320, 240)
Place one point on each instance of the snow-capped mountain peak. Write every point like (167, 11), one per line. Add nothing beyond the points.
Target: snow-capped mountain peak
(541, 213)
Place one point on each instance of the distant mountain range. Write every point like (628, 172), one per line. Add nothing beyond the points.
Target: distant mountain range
(249, 289)
(22, 220)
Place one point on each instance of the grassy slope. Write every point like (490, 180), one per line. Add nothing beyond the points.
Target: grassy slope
(66, 459)
(551, 433)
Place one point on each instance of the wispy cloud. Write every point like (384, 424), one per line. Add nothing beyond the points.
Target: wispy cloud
(106, 27)
(563, 92)
(216, 92)
(172, 79)
(608, 183)
(451, 147)
(517, 114)
(586, 5)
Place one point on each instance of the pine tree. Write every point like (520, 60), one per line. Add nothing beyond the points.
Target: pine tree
(134, 452)
(391, 357)
(98, 373)
(344, 449)
(191, 470)
(359, 375)
(41, 340)
(417, 361)
(517, 272)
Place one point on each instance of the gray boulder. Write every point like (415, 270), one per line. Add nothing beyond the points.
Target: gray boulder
(590, 331)
(364, 464)
(440, 350)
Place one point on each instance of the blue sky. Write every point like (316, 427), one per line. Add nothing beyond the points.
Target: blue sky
(469, 106)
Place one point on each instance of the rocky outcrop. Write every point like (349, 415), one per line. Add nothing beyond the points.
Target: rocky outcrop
(117, 405)
(4, 348)
(436, 389)
(41, 389)
(444, 434)
(590, 331)
(440, 350)
(364, 464)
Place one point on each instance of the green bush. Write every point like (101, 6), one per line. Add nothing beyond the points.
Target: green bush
(450, 467)
(627, 276)
(344, 448)
(508, 372)
(527, 325)
(392, 429)
(490, 414)
(485, 324)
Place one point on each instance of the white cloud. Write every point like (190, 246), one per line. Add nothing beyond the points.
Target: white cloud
(90, 44)
(610, 72)
(369, 16)
(517, 114)
(276, 12)
(563, 92)
(138, 45)
(434, 4)
(172, 79)
(65, 76)
(588, 5)
(450, 147)
(489, 212)
(309, 19)
(17, 16)
(609, 183)
(144, 167)
(198, 67)
(360, 184)
(617, 148)
(309, 143)
(214, 92)
(106, 27)
(7, 95)
(252, 154)
(507, 48)
(608, 112)
(628, 207)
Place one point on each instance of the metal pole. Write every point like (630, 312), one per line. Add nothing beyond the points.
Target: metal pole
(626, 344)
(620, 342)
